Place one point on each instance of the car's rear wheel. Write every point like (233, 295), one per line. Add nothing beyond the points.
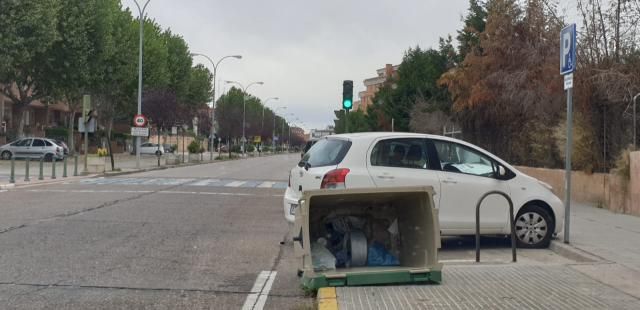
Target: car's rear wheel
(158, 153)
(534, 227)
(6, 155)
(48, 157)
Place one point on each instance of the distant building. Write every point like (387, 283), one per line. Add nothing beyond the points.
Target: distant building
(372, 85)
(319, 133)
(38, 116)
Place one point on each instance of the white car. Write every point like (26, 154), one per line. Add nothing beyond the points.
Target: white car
(460, 173)
(151, 148)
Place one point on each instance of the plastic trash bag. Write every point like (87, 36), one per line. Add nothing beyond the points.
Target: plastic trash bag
(379, 256)
(322, 258)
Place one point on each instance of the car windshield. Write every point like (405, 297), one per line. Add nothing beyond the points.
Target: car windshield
(326, 152)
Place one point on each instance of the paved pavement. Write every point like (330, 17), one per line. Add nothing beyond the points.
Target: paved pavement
(606, 275)
(128, 244)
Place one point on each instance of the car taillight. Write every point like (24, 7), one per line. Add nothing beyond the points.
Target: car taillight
(58, 149)
(335, 178)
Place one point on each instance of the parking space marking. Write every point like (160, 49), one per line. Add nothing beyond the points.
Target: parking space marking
(259, 293)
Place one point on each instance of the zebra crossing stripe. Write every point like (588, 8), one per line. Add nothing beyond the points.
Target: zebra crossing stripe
(266, 184)
(235, 184)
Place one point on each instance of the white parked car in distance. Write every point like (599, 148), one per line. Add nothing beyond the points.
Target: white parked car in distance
(459, 172)
(151, 148)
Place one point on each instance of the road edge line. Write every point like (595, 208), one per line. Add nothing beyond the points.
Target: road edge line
(327, 298)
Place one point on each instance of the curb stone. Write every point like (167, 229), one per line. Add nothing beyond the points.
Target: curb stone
(327, 299)
(573, 253)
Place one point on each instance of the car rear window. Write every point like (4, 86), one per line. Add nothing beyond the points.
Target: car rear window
(326, 152)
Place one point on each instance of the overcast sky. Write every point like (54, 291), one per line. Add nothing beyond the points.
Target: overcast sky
(303, 50)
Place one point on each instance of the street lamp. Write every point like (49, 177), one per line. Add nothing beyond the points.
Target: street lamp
(141, 17)
(264, 105)
(213, 102)
(244, 95)
(273, 131)
(283, 122)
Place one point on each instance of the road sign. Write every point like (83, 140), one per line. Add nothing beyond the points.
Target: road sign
(174, 130)
(140, 131)
(568, 49)
(139, 120)
(82, 125)
(568, 81)
(257, 139)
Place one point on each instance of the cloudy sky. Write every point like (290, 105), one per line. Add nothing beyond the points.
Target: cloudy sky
(303, 50)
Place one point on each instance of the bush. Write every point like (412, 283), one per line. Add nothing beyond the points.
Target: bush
(60, 133)
(102, 152)
(236, 149)
(250, 148)
(194, 147)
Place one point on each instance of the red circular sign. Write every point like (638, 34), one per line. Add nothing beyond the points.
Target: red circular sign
(139, 120)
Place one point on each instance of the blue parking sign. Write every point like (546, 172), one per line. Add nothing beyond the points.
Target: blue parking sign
(568, 49)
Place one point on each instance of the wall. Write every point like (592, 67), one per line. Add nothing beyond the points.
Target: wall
(607, 189)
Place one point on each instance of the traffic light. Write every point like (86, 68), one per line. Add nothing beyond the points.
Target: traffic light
(347, 95)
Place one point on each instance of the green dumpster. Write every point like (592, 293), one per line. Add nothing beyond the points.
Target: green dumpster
(367, 236)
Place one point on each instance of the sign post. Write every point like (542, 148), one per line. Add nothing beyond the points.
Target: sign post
(139, 121)
(567, 67)
(86, 109)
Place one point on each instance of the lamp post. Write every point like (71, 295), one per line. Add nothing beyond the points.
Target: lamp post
(264, 105)
(141, 18)
(634, 120)
(273, 131)
(284, 118)
(244, 95)
(213, 101)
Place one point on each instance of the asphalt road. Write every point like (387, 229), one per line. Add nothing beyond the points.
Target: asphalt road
(152, 240)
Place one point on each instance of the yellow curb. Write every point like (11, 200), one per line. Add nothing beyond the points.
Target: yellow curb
(327, 299)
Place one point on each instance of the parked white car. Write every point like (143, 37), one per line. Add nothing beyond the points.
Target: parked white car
(151, 148)
(460, 173)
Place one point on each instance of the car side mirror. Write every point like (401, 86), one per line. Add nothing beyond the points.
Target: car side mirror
(501, 172)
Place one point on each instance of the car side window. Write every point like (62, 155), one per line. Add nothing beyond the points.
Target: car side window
(23, 143)
(37, 142)
(401, 153)
(458, 158)
(47, 143)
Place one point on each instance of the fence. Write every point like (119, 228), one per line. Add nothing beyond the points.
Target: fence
(609, 190)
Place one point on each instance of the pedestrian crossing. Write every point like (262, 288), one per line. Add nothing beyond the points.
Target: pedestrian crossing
(186, 182)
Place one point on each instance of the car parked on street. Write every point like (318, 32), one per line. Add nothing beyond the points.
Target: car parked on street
(32, 148)
(149, 148)
(460, 173)
(63, 145)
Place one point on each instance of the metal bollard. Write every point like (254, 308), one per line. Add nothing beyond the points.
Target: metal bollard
(75, 165)
(12, 177)
(53, 167)
(26, 170)
(64, 168)
(511, 224)
(41, 174)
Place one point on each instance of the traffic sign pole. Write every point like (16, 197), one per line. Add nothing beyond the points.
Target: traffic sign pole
(567, 67)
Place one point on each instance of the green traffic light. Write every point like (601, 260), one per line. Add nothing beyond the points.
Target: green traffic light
(347, 104)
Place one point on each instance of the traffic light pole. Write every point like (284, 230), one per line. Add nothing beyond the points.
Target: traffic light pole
(346, 121)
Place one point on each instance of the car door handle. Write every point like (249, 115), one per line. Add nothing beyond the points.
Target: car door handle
(386, 177)
(449, 181)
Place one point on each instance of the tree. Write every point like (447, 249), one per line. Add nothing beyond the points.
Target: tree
(356, 121)
(27, 33)
(474, 24)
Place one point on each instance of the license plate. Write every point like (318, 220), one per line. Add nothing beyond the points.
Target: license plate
(292, 209)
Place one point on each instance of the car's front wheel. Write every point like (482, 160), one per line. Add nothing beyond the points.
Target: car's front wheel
(534, 227)
(6, 155)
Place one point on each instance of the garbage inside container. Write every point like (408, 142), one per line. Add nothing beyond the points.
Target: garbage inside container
(374, 236)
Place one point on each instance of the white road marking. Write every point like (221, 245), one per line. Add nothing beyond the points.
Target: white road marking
(259, 293)
(266, 184)
(453, 261)
(142, 192)
(235, 184)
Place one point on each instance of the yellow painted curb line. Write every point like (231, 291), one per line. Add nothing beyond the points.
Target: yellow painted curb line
(327, 299)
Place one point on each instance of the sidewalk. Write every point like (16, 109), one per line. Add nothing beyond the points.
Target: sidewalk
(608, 279)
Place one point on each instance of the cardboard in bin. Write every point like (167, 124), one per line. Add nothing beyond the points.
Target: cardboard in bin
(415, 241)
